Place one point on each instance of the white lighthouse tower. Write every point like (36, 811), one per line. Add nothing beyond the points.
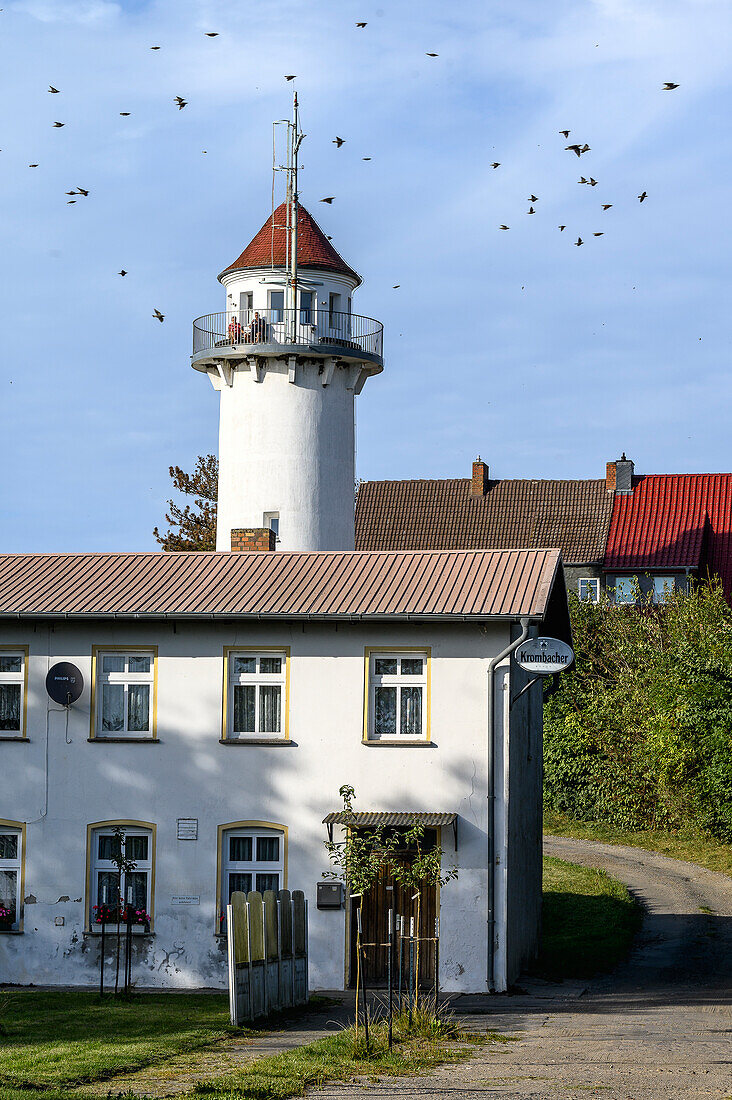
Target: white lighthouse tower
(288, 356)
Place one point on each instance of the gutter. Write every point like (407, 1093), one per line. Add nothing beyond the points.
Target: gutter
(491, 782)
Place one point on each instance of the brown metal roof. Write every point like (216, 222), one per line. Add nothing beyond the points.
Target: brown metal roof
(442, 515)
(480, 584)
(371, 819)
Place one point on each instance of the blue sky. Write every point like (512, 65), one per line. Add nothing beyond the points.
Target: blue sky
(546, 358)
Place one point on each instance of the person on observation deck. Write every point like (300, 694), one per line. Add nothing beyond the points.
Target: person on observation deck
(257, 329)
(234, 330)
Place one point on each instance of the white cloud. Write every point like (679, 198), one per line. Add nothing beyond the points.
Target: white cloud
(83, 12)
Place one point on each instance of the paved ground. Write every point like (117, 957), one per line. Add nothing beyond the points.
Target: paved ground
(659, 1027)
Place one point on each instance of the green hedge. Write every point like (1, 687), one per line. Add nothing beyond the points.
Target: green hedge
(639, 735)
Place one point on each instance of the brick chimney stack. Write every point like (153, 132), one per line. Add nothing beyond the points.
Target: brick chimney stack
(479, 484)
(252, 538)
(619, 475)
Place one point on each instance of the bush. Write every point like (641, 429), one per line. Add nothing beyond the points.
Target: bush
(639, 735)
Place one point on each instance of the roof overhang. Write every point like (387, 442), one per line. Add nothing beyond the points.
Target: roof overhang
(392, 819)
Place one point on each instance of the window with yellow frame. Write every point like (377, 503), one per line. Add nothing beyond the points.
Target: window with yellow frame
(397, 699)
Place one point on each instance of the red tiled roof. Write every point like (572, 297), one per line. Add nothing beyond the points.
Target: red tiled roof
(313, 247)
(484, 584)
(674, 521)
(442, 515)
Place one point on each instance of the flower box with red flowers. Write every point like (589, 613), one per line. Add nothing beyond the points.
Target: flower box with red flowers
(7, 919)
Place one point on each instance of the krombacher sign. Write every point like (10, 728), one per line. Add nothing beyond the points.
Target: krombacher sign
(544, 656)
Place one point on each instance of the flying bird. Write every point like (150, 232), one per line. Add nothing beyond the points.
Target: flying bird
(52, 89)
(69, 192)
(562, 228)
(81, 191)
(582, 180)
(32, 165)
(329, 200)
(565, 133)
(531, 210)
(585, 148)
(533, 198)
(592, 182)
(432, 55)
(338, 141)
(155, 47)
(669, 87)
(158, 316)
(396, 286)
(579, 241)
(643, 195)
(181, 102)
(573, 149)
(365, 158)
(504, 226)
(606, 205)
(212, 34)
(597, 234)
(124, 114)
(70, 202)
(362, 24)
(122, 273)
(496, 164)
(291, 77)
(58, 125)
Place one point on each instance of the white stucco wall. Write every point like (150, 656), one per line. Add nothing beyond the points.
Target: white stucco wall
(188, 773)
(289, 448)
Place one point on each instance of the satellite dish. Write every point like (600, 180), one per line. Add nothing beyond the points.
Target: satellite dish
(64, 683)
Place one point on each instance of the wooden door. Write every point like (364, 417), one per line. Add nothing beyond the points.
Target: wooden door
(387, 894)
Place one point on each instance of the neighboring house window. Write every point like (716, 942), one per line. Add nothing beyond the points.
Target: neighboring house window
(276, 304)
(589, 589)
(133, 887)
(626, 589)
(125, 693)
(397, 705)
(13, 664)
(306, 307)
(252, 858)
(257, 694)
(11, 862)
(663, 589)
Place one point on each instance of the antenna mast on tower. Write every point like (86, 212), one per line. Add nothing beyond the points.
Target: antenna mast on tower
(290, 168)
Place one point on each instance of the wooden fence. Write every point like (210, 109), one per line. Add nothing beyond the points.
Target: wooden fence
(268, 953)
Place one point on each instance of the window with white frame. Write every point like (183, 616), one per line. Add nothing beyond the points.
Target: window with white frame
(276, 305)
(125, 693)
(397, 696)
(257, 694)
(626, 589)
(12, 688)
(11, 855)
(133, 886)
(252, 859)
(663, 589)
(589, 589)
(272, 520)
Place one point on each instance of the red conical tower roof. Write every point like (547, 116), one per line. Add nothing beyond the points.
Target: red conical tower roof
(313, 247)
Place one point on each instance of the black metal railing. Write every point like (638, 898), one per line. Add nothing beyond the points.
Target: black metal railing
(281, 327)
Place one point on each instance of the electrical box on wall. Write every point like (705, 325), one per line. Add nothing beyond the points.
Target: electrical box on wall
(330, 895)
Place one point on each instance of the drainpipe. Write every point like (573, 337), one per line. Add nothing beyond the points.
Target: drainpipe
(492, 665)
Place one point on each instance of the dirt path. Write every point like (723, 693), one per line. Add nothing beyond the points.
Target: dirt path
(660, 1027)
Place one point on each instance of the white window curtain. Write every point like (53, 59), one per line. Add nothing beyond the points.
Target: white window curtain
(125, 684)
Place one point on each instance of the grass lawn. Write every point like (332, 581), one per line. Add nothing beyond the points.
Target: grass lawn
(689, 844)
(588, 921)
(70, 1038)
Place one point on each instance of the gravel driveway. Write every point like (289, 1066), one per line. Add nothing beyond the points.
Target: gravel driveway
(660, 1026)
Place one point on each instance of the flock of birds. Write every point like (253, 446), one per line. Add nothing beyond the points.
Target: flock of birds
(579, 150)
(180, 103)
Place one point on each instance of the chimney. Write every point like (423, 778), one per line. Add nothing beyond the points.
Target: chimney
(252, 538)
(619, 475)
(479, 483)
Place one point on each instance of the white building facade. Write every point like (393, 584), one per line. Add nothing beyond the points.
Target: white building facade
(218, 732)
